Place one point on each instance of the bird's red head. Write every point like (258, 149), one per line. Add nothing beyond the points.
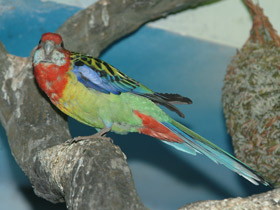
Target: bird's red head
(51, 37)
(51, 62)
(50, 50)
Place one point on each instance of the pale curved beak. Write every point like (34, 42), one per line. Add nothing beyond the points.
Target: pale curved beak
(48, 47)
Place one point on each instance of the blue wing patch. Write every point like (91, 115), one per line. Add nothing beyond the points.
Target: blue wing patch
(107, 84)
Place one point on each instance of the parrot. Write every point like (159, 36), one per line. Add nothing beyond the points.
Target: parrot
(97, 94)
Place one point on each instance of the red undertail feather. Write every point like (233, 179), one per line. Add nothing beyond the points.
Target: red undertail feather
(155, 129)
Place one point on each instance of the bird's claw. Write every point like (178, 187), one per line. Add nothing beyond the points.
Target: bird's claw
(99, 135)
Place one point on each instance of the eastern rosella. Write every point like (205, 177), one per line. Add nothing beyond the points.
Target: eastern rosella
(97, 94)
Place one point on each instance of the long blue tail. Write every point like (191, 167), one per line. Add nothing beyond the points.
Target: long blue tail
(194, 143)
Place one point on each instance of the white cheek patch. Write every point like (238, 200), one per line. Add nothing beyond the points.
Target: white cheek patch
(58, 58)
(39, 55)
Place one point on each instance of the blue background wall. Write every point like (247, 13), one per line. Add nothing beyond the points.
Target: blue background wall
(165, 62)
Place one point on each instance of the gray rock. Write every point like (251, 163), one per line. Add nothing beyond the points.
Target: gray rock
(263, 201)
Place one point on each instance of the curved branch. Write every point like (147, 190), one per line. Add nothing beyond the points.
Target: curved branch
(107, 21)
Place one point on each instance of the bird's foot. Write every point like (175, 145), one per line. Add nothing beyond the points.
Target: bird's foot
(99, 135)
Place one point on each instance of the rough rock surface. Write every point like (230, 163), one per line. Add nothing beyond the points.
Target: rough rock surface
(263, 201)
